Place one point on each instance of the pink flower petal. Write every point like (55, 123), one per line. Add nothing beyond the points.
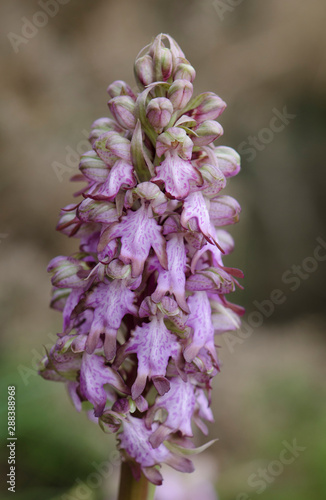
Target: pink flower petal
(177, 175)
(200, 320)
(94, 374)
(154, 344)
(139, 232)
(110, 301)
(173, 280)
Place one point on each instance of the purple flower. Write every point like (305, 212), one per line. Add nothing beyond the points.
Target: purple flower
(94, 374)
(173, 280)
(154, 345)
(121, 175)
(176, 171)
(134, 441)
(200, 321)
(195, 215)
(178, 405)
(145, 294)
(139, 232)
(110, 303)
(60, 366)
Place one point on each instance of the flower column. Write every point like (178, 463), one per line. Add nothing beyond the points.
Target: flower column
(146, 292)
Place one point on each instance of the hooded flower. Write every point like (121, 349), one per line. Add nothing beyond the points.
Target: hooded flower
(145, 294)
(173, 279)
(136, 244)
(134, 440)
(200, 321)
(154, 344)
(195, 215)
(178, 406)
(176, 170)
(110, 302)
(94, 374)
(121, 175)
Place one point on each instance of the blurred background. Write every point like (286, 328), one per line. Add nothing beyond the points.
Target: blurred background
(267, 61)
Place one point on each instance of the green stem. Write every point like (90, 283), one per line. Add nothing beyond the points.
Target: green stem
(130, 489)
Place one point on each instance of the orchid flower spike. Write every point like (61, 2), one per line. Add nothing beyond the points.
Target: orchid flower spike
(145, 294)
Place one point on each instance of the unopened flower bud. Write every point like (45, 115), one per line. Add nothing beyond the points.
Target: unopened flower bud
(180, 93)
(184, 71)
(67, 272)
(93, 167)
(96, 211)
(165, 64)
(144, 70)
(111, 146)
(175, 49)
(207, 132)
(159, 112)
(122, 108)
(163, 60)
(224, 210)
(100, 126)
(208, 106)
(119, 87)
(228, 160)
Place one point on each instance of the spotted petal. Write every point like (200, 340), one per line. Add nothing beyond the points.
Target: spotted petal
(177, 175)
(110, 301)
(154, 344)
(179, 404)
(195, 215)
(200, 320)
(121, 175)
(94, 374)
(139, 231)
(224, 210)
(134, 441)
(211, 279)
(173, 280)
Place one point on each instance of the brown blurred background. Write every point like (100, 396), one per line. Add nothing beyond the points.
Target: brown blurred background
(264, 59)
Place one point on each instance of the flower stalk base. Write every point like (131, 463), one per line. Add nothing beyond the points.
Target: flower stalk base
(131, 489)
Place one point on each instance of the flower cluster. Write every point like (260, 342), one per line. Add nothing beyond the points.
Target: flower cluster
(145, 294)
